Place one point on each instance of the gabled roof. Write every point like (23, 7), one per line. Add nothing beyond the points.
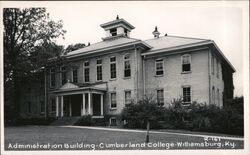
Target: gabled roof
(167, 42)
(105, 45)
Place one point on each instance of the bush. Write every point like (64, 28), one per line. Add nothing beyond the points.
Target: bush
(194, 117)
(137, 115)
(208, 118)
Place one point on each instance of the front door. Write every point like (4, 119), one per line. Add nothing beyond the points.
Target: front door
(96, 104)
(76, 101)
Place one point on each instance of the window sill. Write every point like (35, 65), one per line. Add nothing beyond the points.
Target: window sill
(159, 75)
(113, 108)
(186, 72)
(126, 78)
(114, 79)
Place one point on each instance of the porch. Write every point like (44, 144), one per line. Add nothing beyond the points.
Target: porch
(72, 100)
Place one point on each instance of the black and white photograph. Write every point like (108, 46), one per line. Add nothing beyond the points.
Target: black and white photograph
(127, 76)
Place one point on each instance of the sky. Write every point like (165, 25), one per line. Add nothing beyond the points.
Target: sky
(222, 21)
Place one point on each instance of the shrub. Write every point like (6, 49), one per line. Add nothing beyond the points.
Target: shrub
(137, 114)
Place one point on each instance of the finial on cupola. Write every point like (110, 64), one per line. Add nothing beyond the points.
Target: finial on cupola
(156, 33)
(117, 17)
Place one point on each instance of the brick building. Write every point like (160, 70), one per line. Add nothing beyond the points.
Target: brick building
(100, 79)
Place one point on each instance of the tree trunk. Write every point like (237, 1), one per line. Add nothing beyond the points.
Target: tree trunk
(147, 136)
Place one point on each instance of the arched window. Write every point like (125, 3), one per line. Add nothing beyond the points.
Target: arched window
(186, 63)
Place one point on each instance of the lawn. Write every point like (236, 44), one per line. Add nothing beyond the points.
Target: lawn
(63, 138)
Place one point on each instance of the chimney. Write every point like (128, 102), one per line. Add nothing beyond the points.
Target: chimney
(156, 33)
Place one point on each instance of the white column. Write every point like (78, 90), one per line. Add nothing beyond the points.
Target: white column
(83, 104)
(89, 102)
(62, 105)
(70, 110)
(101, 104)
(57, 106)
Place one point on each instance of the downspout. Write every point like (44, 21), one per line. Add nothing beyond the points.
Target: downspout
(136, 75)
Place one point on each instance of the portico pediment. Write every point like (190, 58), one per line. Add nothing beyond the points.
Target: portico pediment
(68, 85)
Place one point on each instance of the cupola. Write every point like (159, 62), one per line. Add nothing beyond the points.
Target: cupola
(116, 28)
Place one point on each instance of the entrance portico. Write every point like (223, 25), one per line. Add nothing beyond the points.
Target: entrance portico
(79, 101)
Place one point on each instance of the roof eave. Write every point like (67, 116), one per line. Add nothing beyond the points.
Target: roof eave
(176, 48)
(139, 42)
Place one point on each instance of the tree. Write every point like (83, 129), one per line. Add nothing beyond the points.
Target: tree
(73, 47)
(26, 32)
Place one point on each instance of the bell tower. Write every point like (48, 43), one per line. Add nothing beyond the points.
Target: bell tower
(116, 28)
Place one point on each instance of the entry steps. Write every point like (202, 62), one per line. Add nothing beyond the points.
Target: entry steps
(64, 121)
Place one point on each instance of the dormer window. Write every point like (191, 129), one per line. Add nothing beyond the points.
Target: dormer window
(113, 31)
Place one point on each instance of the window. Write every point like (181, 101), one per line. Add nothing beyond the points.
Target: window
(99, 69)
(212, 63)
(127, 67)
(218, 96)
(113, 100)
(53, 104)
(186, 63)
(213, 95)
(74, 74)
(127, 97)
(63, 75)
(113, 121)
(42, 106)
(126, 32)
(29, 107)
(113, 32)
(186, 95)
(52, 77)
(113, 67)
(159, 67)
(86, 71)
(160, 97)
(217, 68)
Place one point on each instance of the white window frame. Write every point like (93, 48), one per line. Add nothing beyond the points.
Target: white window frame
(160, 60)
(190, 59)
(112, 62)
(72, 74)
(51, 78)
(86, 67)
(187, 86)
(124, 61)
(125, 91)
(160, 89)
(99, 65)
(113, 108)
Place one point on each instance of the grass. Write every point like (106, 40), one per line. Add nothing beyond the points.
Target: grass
(87, 139)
